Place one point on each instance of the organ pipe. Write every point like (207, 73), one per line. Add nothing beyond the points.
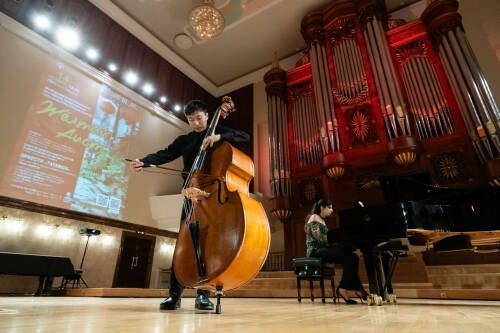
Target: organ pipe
(279, 158)
(472, 92)
(326, 118)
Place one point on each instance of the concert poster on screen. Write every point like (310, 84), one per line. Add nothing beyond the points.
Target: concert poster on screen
(70, 152)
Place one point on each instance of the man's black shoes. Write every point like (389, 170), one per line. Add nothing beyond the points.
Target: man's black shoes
(171, 303)
(203, 303)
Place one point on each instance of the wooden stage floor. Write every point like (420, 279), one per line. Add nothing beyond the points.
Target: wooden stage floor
(85, 314)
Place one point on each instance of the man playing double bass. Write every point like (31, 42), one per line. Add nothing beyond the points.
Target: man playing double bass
(188, 146)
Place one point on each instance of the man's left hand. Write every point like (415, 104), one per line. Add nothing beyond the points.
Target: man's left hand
(210, 140)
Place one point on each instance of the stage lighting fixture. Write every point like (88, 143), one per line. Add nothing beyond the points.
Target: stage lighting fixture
(90, 232)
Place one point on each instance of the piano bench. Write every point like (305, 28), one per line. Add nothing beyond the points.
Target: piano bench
(313, 269)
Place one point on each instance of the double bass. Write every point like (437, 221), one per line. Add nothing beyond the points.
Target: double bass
(224, 237)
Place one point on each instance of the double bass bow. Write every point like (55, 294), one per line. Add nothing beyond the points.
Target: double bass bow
(224, 238)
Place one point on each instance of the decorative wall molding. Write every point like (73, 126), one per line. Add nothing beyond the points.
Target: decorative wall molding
(74, 215)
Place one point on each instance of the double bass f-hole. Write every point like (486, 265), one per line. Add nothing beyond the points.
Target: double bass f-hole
(219, 191)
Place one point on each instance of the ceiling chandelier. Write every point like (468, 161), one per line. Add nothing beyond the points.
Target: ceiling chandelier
(206, 20)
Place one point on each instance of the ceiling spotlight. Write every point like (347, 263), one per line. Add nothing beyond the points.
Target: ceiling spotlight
(42, 22)
(131, 78)
(92, 54)
(163, 99)
(68, 38)
(148, 88)
(112, 67)
(177, 107)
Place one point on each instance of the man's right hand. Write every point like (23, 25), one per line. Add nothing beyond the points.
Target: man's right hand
(136, 166)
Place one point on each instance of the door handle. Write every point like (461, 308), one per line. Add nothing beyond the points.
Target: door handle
(134, 262)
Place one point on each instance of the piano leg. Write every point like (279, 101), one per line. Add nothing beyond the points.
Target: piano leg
(322, 285)
(299, 297)
(387, 269)
(332, 283)
(41, 284)
(381, 280)
(311, 290)
(389, 261)
(374, 273)
(48, 285)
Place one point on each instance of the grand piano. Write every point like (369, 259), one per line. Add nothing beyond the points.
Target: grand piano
(45, 267)
(417, 217)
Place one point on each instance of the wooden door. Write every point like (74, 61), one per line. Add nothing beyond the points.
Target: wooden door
(133, 268)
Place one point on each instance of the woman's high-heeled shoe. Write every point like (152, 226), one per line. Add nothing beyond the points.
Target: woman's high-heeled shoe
(338, 295)
(363, 295)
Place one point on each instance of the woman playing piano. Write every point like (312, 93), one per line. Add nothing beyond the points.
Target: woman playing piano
(318, 247)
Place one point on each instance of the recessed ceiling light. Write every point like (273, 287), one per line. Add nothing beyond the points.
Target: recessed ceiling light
(177, 107)
(131, 78)
(148, 88)
(68, 38)
(92, 54)
(42, 22)
(163, 99)
(112, 67)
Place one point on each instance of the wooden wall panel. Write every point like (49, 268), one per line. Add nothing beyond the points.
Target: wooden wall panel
(132, 59)
(14, 9)
(76, 13)
(97, 32)
(164, 78)
(149, 65)
(114, 46)
(242, 119)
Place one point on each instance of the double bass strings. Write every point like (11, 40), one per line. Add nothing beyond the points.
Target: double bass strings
(198, 163)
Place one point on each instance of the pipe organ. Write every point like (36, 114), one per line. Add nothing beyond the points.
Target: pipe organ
(373, 97)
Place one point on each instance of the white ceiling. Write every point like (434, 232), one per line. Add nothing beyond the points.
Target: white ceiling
(240, 55)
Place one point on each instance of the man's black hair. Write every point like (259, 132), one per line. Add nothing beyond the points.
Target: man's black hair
(193, 106)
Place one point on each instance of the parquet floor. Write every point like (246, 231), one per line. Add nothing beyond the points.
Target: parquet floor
(93, 314)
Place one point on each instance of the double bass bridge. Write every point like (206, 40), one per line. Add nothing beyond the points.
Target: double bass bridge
(195, 194)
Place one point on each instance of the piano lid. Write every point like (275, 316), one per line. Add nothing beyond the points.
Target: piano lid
(408, 187)
(417, 187)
